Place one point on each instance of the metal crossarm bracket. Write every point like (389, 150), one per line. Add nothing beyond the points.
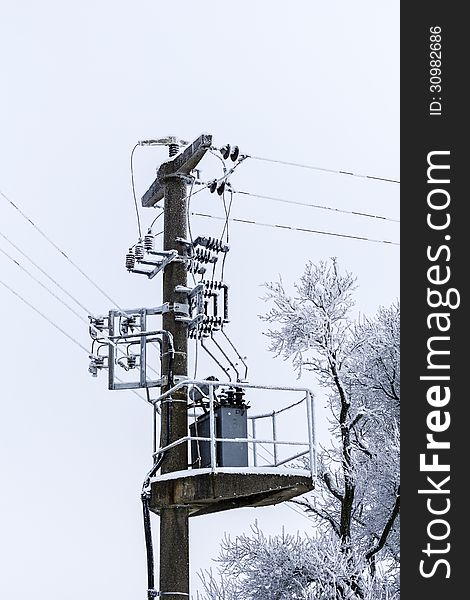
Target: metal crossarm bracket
(182, 164)
(172, 254)
(156, 594)
(179, 309)
(196, 294)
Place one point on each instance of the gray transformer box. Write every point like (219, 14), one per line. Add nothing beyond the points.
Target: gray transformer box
(230, 423)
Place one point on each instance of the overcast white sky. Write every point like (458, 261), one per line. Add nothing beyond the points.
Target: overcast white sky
(312, 82)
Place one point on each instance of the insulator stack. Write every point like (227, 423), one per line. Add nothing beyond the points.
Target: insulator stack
(211, 243)
(139, 251)
(213, 286)
(235, 153)
(195, 266)
(97, 324)
(204, 256)
(227, 150)
(173, 149)
(96, 364)
(214, 185)
(217, 245)
(130, 261)
(149, 241)
(208, 325)
(128, 323)
(131, 361)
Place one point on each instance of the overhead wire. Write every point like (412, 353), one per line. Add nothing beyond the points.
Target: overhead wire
(45, 273)
(51, 242)
(133, 191)
(53, 294)
(156, 219)
(70, 337)
(317, 206)
(58, 328)
(39, 282)
(226, 227)
(62, 252)
(301, 229)
(323, 169)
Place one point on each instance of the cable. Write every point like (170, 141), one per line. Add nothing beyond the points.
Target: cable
(148, 545)
(107, 296)
(226, 371)
(39, 282)
(188, 221)
(67, 335)
(145, 497)
(40, 269)
(48, 239)
(133, 191)
(220, 158)
(314, 168)
(319, 232)
(156, 219)
(61, 300)
(71, 338)
(236, 352)
(228, 237)
(319, 206)
(147, 401)
(222, 351)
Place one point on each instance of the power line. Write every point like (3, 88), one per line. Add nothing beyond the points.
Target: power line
(54, 245)
(319, 206)
(54, 295)
(301, 229)
(71, 338)
(133, 191)
(156, 218)
(315, 168)
(39, 282)
(45, 273)
(48, 239)
(67, 335)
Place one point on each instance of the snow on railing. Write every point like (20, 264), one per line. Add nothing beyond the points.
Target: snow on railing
(309, 445)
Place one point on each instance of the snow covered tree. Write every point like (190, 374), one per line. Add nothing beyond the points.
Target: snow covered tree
(288, 567)
(354, 554)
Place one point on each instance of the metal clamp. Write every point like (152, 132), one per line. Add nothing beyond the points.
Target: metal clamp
(157, 594)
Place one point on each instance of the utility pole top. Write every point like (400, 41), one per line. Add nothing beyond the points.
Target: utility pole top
(182, 164)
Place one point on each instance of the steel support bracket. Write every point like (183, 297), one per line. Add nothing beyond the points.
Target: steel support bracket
(182, 164)
(172, 255)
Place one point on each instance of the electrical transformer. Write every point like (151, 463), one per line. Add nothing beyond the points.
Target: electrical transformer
(230, 423)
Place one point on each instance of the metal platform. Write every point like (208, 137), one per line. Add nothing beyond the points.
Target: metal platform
(273, 474)
(204, 491)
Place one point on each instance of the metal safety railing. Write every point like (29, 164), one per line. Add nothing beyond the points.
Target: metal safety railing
(303, 448)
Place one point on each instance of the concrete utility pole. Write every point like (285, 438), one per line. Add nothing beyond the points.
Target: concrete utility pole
(174, 526)
(171, 183)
